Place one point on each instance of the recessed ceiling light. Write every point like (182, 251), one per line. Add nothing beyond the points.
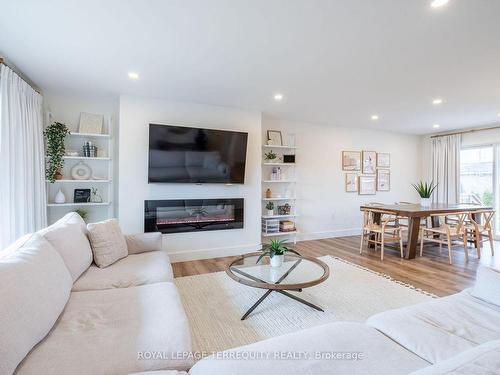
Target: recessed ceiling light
(439, 3)
(278, 97)
(437, 101)
(374, 117)
(133, 75)
(435, 126)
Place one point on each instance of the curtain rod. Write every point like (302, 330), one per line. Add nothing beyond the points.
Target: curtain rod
(23, 77)
(466, 131)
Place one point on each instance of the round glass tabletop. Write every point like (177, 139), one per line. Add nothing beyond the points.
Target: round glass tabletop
(296, 272)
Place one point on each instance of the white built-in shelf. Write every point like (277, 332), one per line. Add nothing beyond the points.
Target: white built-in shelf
(279, 199)
(284, 147)
(278, 216)
(280, 164)
(88, 135)
(79, 181)
(279, 181)
(83, 158)
(278, 234)
(77, 204)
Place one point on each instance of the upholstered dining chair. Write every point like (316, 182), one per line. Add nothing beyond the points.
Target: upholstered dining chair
(445, 233)
(479, 224)
(385, 231)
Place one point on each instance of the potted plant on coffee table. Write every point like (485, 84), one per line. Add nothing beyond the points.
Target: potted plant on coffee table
(425, 190)
(276, 251)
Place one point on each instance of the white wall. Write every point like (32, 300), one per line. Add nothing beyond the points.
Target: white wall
(135, 115)
(325, 209)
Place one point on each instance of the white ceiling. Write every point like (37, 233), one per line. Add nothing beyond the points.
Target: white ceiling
(335, 61)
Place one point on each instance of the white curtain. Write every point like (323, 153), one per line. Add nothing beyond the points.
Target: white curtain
(22, 177)
(446, 168)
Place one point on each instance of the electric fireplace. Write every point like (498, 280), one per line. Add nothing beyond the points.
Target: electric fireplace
(191, 215)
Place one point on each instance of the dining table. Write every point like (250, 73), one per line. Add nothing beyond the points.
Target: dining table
(416, 212)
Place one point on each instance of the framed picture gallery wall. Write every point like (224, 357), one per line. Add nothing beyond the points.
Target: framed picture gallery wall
(367, 172)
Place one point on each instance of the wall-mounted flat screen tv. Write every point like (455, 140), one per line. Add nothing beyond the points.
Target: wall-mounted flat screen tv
(179, 154)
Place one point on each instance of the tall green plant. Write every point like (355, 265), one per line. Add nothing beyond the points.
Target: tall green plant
(276, 247)
(55, 135)
(424, 189)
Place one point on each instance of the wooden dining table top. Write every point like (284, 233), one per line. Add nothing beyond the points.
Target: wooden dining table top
(417, 210)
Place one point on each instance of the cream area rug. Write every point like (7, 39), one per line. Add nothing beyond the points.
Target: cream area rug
(214, 304)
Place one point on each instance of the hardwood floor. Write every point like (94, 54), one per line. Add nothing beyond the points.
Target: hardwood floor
(431, 272)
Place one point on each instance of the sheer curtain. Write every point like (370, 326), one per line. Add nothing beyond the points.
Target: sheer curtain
(22, 180)
(446, 168)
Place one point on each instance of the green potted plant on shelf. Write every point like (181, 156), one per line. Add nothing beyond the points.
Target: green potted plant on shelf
(276, 251)
(270, 208)
(425, 190)
(83, 213)
(55, 149)
(270, 156)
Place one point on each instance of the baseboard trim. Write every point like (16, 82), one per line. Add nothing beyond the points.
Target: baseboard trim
(329, 234)
(184, 256)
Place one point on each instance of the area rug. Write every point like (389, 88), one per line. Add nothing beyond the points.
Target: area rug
(214, 304)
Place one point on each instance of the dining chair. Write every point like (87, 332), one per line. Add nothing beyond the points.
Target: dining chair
(479, 224)
(383, 232)
(445, 233)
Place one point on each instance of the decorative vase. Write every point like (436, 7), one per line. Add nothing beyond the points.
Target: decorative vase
(269, 193)
(270, 212)
(81, 171)
(60, 197)
(425, 202)
(94, 197)
(277, 261)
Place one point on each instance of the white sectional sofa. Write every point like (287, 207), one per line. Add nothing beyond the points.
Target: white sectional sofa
(60, 314)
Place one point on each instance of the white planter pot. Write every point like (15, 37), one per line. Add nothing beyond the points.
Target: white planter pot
(277, 261)
(270, 212)
(425, 202)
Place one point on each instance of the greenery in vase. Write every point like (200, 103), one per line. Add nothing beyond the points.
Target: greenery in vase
(270, 155)
(276, 247)
(83, 213)
(270, 206)
(424, 189)
(55, 135)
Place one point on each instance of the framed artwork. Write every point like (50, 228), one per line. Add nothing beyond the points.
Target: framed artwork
(274, 138)
(383, 160)
(81, 195)
(383, 180)
(90, 123)
(351, 182)
(351, 160)
(367, 185)
(369, 161)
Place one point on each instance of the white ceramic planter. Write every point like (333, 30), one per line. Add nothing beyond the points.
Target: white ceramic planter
(425, 202)
(277, 261)
(270, 212)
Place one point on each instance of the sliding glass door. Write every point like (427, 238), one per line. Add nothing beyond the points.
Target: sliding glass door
(479, 171)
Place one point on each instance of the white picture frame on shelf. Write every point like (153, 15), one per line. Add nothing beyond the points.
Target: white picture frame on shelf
(274, 138)
(90, 123)
(383, 180)
(351, 182)
(369, 162)
(383, 160)
(367, 185)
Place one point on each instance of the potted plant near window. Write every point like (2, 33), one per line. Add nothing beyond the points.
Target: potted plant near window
(270, 208)
(425, 191)
(276, 251)
(55, 135)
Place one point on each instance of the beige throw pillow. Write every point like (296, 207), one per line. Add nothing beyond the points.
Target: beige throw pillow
(107, 242)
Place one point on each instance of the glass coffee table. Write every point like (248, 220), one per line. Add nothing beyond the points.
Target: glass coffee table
(296, 273)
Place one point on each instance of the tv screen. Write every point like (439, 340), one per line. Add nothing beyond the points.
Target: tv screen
(179, 154)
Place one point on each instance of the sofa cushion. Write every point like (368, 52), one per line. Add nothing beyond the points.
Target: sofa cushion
(34, 287)
(441, 328)
(134, 270)
(481, 360)
(107, 242)
(141, 242)
(115, 331)
(73, 246)
(487, 286)
(360, 349)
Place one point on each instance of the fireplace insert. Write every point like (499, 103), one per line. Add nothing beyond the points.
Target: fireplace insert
(191, 215)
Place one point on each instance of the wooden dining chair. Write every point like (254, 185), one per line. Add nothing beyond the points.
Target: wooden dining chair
(445, 233)
(479, 224)
(381, 233)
